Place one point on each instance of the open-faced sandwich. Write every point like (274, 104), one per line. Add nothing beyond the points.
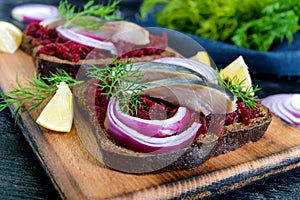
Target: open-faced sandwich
(131, 114)
(93, 35)
(172, 113)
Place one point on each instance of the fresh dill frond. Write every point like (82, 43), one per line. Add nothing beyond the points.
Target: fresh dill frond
(235, 86)
(120, 81)
(34, 92)
(61, 76)
(72, 16)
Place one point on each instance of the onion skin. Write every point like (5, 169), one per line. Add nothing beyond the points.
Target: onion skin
(142, 143)
(88, 41)
(203, 69)
(285, 106)
(155, 128)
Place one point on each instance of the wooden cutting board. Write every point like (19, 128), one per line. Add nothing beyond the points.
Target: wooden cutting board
(77, 175)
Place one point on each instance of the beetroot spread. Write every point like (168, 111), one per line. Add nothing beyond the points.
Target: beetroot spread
(156, 108)
(54, 45)
(43, 35)
(156, 46)
(68, 51)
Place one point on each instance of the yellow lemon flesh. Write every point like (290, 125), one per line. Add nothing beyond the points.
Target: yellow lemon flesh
(58, 113)
(237, 70)
(10, 37)
(202, 56)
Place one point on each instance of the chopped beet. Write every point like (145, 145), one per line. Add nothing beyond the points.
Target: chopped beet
(72, 51)
(69, 50)
(43, 35)
(124, 47)
(156, 46)
(153, 108)
(157, 42)
(204, 121)
(242, 114)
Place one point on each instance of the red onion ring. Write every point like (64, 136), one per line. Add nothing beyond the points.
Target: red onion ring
(91, 36)
(29, 13)
(203, 69)
(139, 142)
(155, 128)
(285, 106)
(76, 37)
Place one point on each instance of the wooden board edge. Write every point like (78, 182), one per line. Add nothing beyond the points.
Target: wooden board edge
(65, 185)
(236, 182)
(68, 189)
(190, 188)
(273, 172)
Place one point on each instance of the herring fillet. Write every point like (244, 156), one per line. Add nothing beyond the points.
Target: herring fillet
(200, 96)
(152, 71)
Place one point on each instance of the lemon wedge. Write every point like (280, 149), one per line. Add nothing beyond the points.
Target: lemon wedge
(239, 70)
(202, 56)
(58, 113)
(10, 37)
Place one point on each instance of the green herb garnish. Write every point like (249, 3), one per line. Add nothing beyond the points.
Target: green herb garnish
(235, 86)
(34, 92)
(253, 24)
(120, 81)
(273, 25)
(104, 12)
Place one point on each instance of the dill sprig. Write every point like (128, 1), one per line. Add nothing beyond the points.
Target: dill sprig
(34, 92)
(105, 12)
(120, 81)
(235, 86)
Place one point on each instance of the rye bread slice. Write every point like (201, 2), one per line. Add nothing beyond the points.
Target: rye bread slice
(46, 65)
(114, 156)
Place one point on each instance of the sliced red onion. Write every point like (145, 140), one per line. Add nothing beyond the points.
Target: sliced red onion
(203, 69)
(73, 36)
(91, 36)
(289, 104)
(155, 128)
(285, 106)
(28, 13)
(295, 102)
(137, 141)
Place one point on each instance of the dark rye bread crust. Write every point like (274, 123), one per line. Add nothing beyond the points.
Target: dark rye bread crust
(27, 44)
(123, 159)
(48, 64)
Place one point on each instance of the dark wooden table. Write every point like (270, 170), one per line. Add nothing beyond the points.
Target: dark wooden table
(22, 177)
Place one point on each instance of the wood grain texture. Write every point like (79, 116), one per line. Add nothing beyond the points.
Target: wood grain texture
(77, 175)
